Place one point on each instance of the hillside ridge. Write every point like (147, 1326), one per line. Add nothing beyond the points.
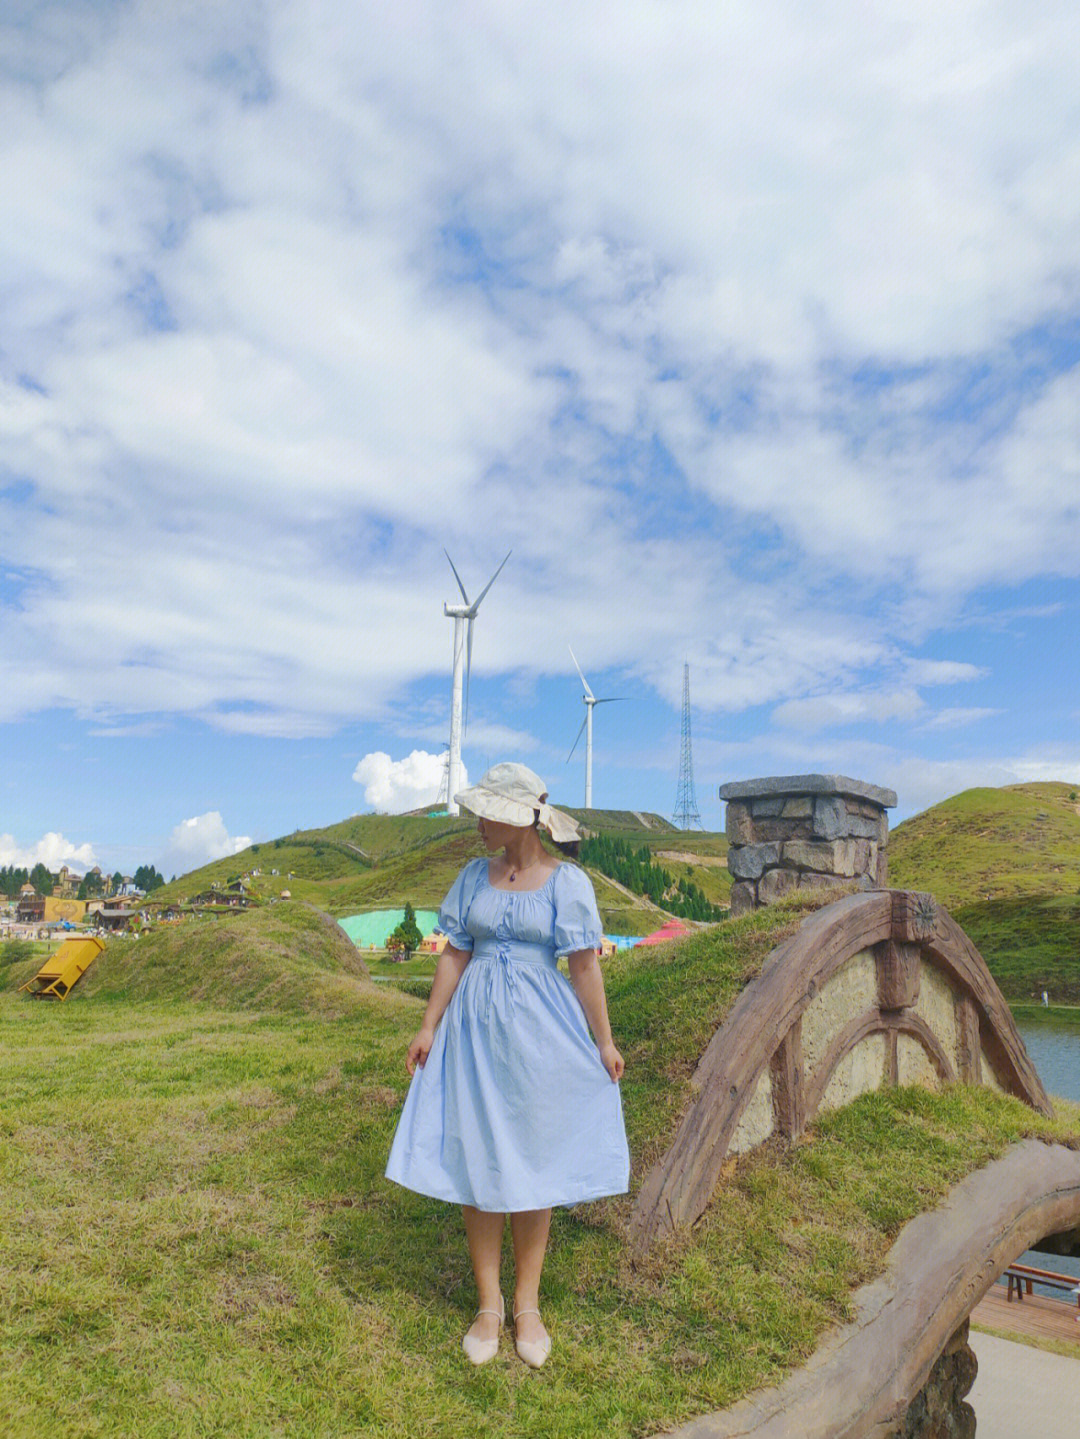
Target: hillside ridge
(379, 861)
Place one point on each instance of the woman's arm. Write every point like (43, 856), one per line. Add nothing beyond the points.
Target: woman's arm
(588, 984)
(448, 971)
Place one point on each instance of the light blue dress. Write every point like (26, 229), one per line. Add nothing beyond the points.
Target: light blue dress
(513, 1108)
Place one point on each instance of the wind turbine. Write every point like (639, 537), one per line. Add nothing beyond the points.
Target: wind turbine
(590, 701)
(462, 659)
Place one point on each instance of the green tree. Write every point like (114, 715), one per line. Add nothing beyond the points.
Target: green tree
(410, 929)
(117, 881)
(12, 880)
(41, 878)
(91, 885)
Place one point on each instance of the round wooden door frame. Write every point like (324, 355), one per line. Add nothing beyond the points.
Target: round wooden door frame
(763, 1030)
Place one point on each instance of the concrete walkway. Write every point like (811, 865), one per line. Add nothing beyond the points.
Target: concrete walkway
(1024, 1393)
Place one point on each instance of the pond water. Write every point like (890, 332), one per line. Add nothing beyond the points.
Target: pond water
(1054, 1048)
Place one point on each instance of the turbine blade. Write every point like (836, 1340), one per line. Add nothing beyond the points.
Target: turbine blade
(468, 672)
(584, 681)
(611, 700)
(489, 584)
(580, 732)
(457, 577)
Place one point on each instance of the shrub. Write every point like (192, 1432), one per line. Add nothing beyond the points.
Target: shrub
(16, 951)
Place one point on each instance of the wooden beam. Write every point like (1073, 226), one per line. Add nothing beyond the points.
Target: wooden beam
(897, 974)
(788, 1083)
(864, 1376)
(968, 1043)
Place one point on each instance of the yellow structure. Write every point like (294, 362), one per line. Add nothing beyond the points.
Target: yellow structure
(57, 909)
(60, 973)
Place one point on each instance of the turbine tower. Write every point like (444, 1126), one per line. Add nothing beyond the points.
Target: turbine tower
(590, 702)
(686, 811)
(463, 616)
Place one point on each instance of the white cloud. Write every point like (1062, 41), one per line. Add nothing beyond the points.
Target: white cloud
(487, 735)
(197, 841)
(958, 716)
(709, 324)
(942, 672)
(52, 850)
(392, 786)
(824, 711)
(920, 780)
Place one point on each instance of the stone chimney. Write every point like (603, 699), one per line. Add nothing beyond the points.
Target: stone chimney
(804, 830)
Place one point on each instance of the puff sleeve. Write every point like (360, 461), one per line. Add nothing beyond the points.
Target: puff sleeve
(577, 921)
(454, 910)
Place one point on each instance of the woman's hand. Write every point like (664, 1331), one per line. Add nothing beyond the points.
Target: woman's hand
(419, 1049)
(613, 1060)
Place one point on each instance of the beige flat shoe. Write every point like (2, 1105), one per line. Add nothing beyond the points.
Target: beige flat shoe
(481, 1351)
(533, 1351)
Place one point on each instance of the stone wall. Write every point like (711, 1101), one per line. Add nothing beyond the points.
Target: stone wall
(804, 831)
(939, 1410)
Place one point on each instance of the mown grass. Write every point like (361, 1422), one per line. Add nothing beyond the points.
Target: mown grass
(283, 956)
(1055, 1014)
(1006, 863)
(991, 844)
(1031, 943)
(198, 1239)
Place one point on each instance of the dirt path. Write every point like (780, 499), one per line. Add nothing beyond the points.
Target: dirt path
(640, 901)
(678, 856)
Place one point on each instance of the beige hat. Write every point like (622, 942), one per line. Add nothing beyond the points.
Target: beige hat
(512, 794)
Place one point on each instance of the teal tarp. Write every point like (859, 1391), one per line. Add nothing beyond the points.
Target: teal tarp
(376, 927)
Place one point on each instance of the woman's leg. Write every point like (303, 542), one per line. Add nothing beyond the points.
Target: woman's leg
(484, 1231)
(529, 1228)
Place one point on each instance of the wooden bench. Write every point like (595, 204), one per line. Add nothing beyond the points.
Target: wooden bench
(1021, 1277)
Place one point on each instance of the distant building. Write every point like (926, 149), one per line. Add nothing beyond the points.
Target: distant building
(234, 897)
(31, 909)
(116, 916)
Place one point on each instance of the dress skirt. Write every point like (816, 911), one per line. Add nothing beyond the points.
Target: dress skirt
(513, 1108)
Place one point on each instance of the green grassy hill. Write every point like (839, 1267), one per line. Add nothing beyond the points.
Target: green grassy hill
(1006, 864)
(380, 861)
(285, 956)
(198, 1237)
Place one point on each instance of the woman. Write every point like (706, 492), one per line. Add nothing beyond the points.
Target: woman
(513, 1108)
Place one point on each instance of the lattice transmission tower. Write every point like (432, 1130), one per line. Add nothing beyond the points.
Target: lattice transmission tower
(686, 811)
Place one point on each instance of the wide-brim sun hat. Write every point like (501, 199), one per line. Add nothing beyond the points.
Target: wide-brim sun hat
(513, 794)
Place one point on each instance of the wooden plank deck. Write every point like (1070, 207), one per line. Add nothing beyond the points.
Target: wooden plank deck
(1034, 1315)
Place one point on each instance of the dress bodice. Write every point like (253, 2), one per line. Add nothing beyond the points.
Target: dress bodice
(558, 918)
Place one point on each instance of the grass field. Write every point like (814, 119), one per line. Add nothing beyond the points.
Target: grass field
(1006, 863)
(198, 1240)
(991, 844)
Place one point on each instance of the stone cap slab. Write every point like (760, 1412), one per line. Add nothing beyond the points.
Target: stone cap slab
(797, 784)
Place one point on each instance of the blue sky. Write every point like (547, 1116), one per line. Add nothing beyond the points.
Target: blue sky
(753, 331)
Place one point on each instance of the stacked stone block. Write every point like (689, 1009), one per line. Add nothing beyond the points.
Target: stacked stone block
(811, 831)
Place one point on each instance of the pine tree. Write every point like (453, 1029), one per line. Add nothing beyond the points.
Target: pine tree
(410, 930)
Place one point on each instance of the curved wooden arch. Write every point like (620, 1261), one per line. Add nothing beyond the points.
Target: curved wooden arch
(863, 1027)
(862, 1379)
(763, 1033)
